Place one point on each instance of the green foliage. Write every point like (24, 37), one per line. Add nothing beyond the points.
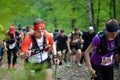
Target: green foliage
(26, 73)
(56, 13)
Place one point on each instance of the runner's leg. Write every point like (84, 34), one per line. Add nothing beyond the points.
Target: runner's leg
(98, 72)
(9, 58)
(14, 58)
(108, 73)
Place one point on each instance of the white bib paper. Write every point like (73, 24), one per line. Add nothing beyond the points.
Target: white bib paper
(107, 60)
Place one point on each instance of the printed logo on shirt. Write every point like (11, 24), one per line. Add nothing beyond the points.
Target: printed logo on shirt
(11, 46)
(107, 60)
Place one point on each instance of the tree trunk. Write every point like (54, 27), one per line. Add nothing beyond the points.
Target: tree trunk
(110, 8)
(90, 12)
(73, 23)
(114, 9)
(98, 13)
(54, 20)
(73, 20)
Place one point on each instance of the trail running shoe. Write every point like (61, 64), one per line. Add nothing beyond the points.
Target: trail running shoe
(79, 65)
(68, 64)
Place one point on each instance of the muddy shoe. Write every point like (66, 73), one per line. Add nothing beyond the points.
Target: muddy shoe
(13, 67)
(9, 66)
(68, 64)
(79, 65)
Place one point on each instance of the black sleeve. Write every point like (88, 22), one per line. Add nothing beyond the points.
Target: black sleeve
(66, 37)
(56, 38)
(83, 36)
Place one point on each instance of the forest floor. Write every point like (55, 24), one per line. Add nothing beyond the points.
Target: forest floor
(62, 72)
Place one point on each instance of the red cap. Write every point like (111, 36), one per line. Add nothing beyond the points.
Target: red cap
(12, 29)
(39, 26)
(27, 27)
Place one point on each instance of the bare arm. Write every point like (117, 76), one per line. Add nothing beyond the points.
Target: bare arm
(53, 49)
(68, 43)
(55, 58)
(87, 57)
(81, 39)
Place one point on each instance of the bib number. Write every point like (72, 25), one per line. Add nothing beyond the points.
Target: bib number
(107, 60)
(12, 46)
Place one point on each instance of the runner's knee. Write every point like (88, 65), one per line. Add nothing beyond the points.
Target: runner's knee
(48, 74)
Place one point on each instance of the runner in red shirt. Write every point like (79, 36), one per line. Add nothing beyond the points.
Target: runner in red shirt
(35, 49)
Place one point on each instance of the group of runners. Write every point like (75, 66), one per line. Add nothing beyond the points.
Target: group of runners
(35, 46)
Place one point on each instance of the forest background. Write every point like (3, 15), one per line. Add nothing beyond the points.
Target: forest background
(58, 14)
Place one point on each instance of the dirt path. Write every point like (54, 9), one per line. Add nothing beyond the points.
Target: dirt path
(79, 73)
(63, 73)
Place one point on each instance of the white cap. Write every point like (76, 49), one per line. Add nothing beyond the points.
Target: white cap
(91, 28)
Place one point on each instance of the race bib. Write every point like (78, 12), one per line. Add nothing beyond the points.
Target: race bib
(12, 46)
(107, 60)
(59, 52)
(75, 41)
(63, 51)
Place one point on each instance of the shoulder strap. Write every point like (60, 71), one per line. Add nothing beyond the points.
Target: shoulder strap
(103, 46)
(35, 43)
(44, 42)
(117, 44)
(72, 35)
(101, 34)
(34, 40)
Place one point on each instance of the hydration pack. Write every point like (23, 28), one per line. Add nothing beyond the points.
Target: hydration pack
(103, 48)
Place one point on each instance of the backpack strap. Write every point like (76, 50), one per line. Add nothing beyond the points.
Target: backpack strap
(102, 49)
(117, 44)
(44, 42)
(73, 34)
(36, 45)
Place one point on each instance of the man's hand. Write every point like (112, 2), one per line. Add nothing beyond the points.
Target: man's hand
(69, 51)
(55, 60)
(5, 49)
(25, 55)
(21, 55)
(92, 73)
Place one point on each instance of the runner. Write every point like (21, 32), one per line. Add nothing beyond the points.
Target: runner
(27, 30)
(1, 52)
(87, 37)
(2, 36)
(61, 45)
(105, 44)
(19, 36)
(39, 42)
(74, 42)
(11, 47)
(55, 34)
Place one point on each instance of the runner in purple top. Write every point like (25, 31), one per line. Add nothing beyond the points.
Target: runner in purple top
(100, 60)
(103, 47)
